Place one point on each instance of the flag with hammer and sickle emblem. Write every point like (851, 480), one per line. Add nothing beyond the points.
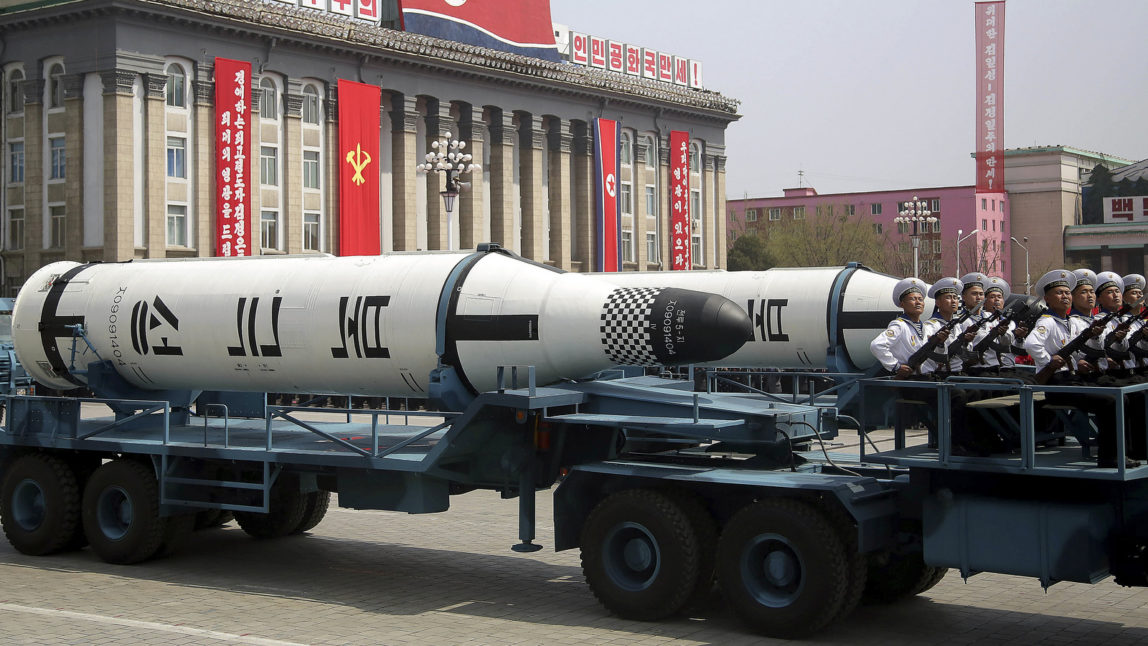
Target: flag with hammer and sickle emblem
(358, 169)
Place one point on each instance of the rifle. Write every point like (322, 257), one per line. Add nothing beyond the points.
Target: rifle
(1077, 343)
(962, 347)
(1017, 311)
(1138, 336)
(922, 354)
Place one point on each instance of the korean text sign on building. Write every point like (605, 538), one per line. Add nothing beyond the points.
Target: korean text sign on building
(680, 199)
(232, 163)
(990, 20)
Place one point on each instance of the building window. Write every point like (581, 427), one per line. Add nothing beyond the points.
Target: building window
(626, 199)
(937, 226)
(16, 162)
(627, 153)
(799, 213)
(819, 210)
(695, 158)
(902, 227)
(651, 247)
(177, 225)
(936, 246)
(268, 100)
(878, 228)
(310, 231)
(59, 158)
(850, 209)
(627, 246)
(310, 105)
(875, 209)
(269, 229)
(993, 205)
(696, 250)
(751, 215)
(56, 86)
(56, 231)
(15, 240)
(15, 92)
(177, 157)
(651, 152)
(984, 224)
(984, 204)
(310, 169)
(269, 165)
(935, 206)
(774, 213)
(176, 91)
(994, 225)
(651, 201)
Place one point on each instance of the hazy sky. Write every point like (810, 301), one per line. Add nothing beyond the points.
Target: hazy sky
(877, 94)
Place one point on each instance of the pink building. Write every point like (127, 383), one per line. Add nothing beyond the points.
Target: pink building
(959, 210)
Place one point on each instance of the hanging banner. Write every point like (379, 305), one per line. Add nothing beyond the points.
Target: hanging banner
(517, 26)
(1126, 209)
(232, 163)
(358, 169)
(609, 218)
(990, 19)
(680, 199)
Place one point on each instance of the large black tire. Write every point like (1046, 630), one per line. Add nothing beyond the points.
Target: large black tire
(176, 532)
(40, 504)
(83, 467)
(706, 530)
(640, 554)
(779, 564)
(286, 509)
(315, 508)
(894, 576)
(121, 512)
(857, 569)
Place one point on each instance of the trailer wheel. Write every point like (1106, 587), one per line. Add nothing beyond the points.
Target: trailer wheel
(40, 505)
(121, 512)
(287, 506)
(176, 532)
(705, 528)
(857, 569)
(315, 508)
(640, 554)
(894, 576)
(780, 565)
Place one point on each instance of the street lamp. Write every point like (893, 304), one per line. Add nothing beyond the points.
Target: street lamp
(915, 213)
(448, 157)
(959, 239)
(1026, 276)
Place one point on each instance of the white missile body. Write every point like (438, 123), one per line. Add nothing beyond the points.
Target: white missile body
(819, 317)
(356, 325)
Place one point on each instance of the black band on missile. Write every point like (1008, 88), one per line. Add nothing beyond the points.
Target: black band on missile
(509, 327)
(53, 326)
(872, 320)
(449, 354)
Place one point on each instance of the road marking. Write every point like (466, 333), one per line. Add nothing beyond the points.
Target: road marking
(147, 625)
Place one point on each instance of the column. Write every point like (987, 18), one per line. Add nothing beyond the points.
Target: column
(155, 166)
(292, 180)
(722, 254)
(471, 224)
(502, 194)
(34, 209)
(664, 188)
(583, 240)
(204, 155)
(404, 120)
(331, 168)
(560, 142)
(119, 174)
(532, 144)
(709, 219)
(74, 191)
(439, 122)
(638, 201)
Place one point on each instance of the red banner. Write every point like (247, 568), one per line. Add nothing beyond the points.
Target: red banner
(232, 162)
(680, 199)
(990, 19)
(358, 169)
(609, 218)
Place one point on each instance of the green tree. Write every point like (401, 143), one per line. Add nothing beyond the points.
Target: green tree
(750, 253)
(1099, 187)
(828, 238)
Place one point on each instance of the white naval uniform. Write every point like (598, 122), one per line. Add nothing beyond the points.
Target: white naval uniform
(991, 357)
(1133, 361)
(1049, 334)
(898, 342)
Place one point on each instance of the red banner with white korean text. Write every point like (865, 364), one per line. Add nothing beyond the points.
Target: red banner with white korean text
(608, 218)
(358, 169)
(232, 162)
(680, 199)
(990, 19)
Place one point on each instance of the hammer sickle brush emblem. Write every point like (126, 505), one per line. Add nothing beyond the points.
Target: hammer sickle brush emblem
(358, 160)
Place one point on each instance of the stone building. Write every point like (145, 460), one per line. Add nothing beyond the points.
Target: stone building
(108, 135)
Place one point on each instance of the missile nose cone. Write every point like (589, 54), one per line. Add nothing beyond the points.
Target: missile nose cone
(671, 326)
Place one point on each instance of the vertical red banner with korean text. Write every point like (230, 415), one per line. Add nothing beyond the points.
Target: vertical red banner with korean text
(608, 217)
(232, 163)
(680, 199)
(358, 169)
(990, 19)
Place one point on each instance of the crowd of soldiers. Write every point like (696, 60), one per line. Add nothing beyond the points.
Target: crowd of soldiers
(1090, 330)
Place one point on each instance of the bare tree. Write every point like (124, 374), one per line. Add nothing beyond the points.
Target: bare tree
(828, 237)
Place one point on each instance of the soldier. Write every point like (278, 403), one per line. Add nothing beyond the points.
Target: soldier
(906, 333)
(998, 354)
(1053, 330)
(1084, 294)
(946, 294)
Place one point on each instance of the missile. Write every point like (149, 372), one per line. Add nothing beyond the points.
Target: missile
(355, 325)
(804, 317)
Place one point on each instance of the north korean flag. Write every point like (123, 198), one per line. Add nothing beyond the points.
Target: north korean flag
(516, 26)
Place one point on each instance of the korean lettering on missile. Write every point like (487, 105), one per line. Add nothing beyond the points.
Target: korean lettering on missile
(232, 134)
(680, 199)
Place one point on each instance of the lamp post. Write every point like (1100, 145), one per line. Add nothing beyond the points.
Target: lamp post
(1026, 275)
(959, 239)
(915, 213)
(448, 157)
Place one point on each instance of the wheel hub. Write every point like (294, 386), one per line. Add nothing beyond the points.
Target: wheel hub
(632, 556)
(28, 505)
(114, 513)
(772, 570)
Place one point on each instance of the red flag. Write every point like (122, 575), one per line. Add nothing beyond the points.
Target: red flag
(358, 169)
(232, 164)
(609, 217)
